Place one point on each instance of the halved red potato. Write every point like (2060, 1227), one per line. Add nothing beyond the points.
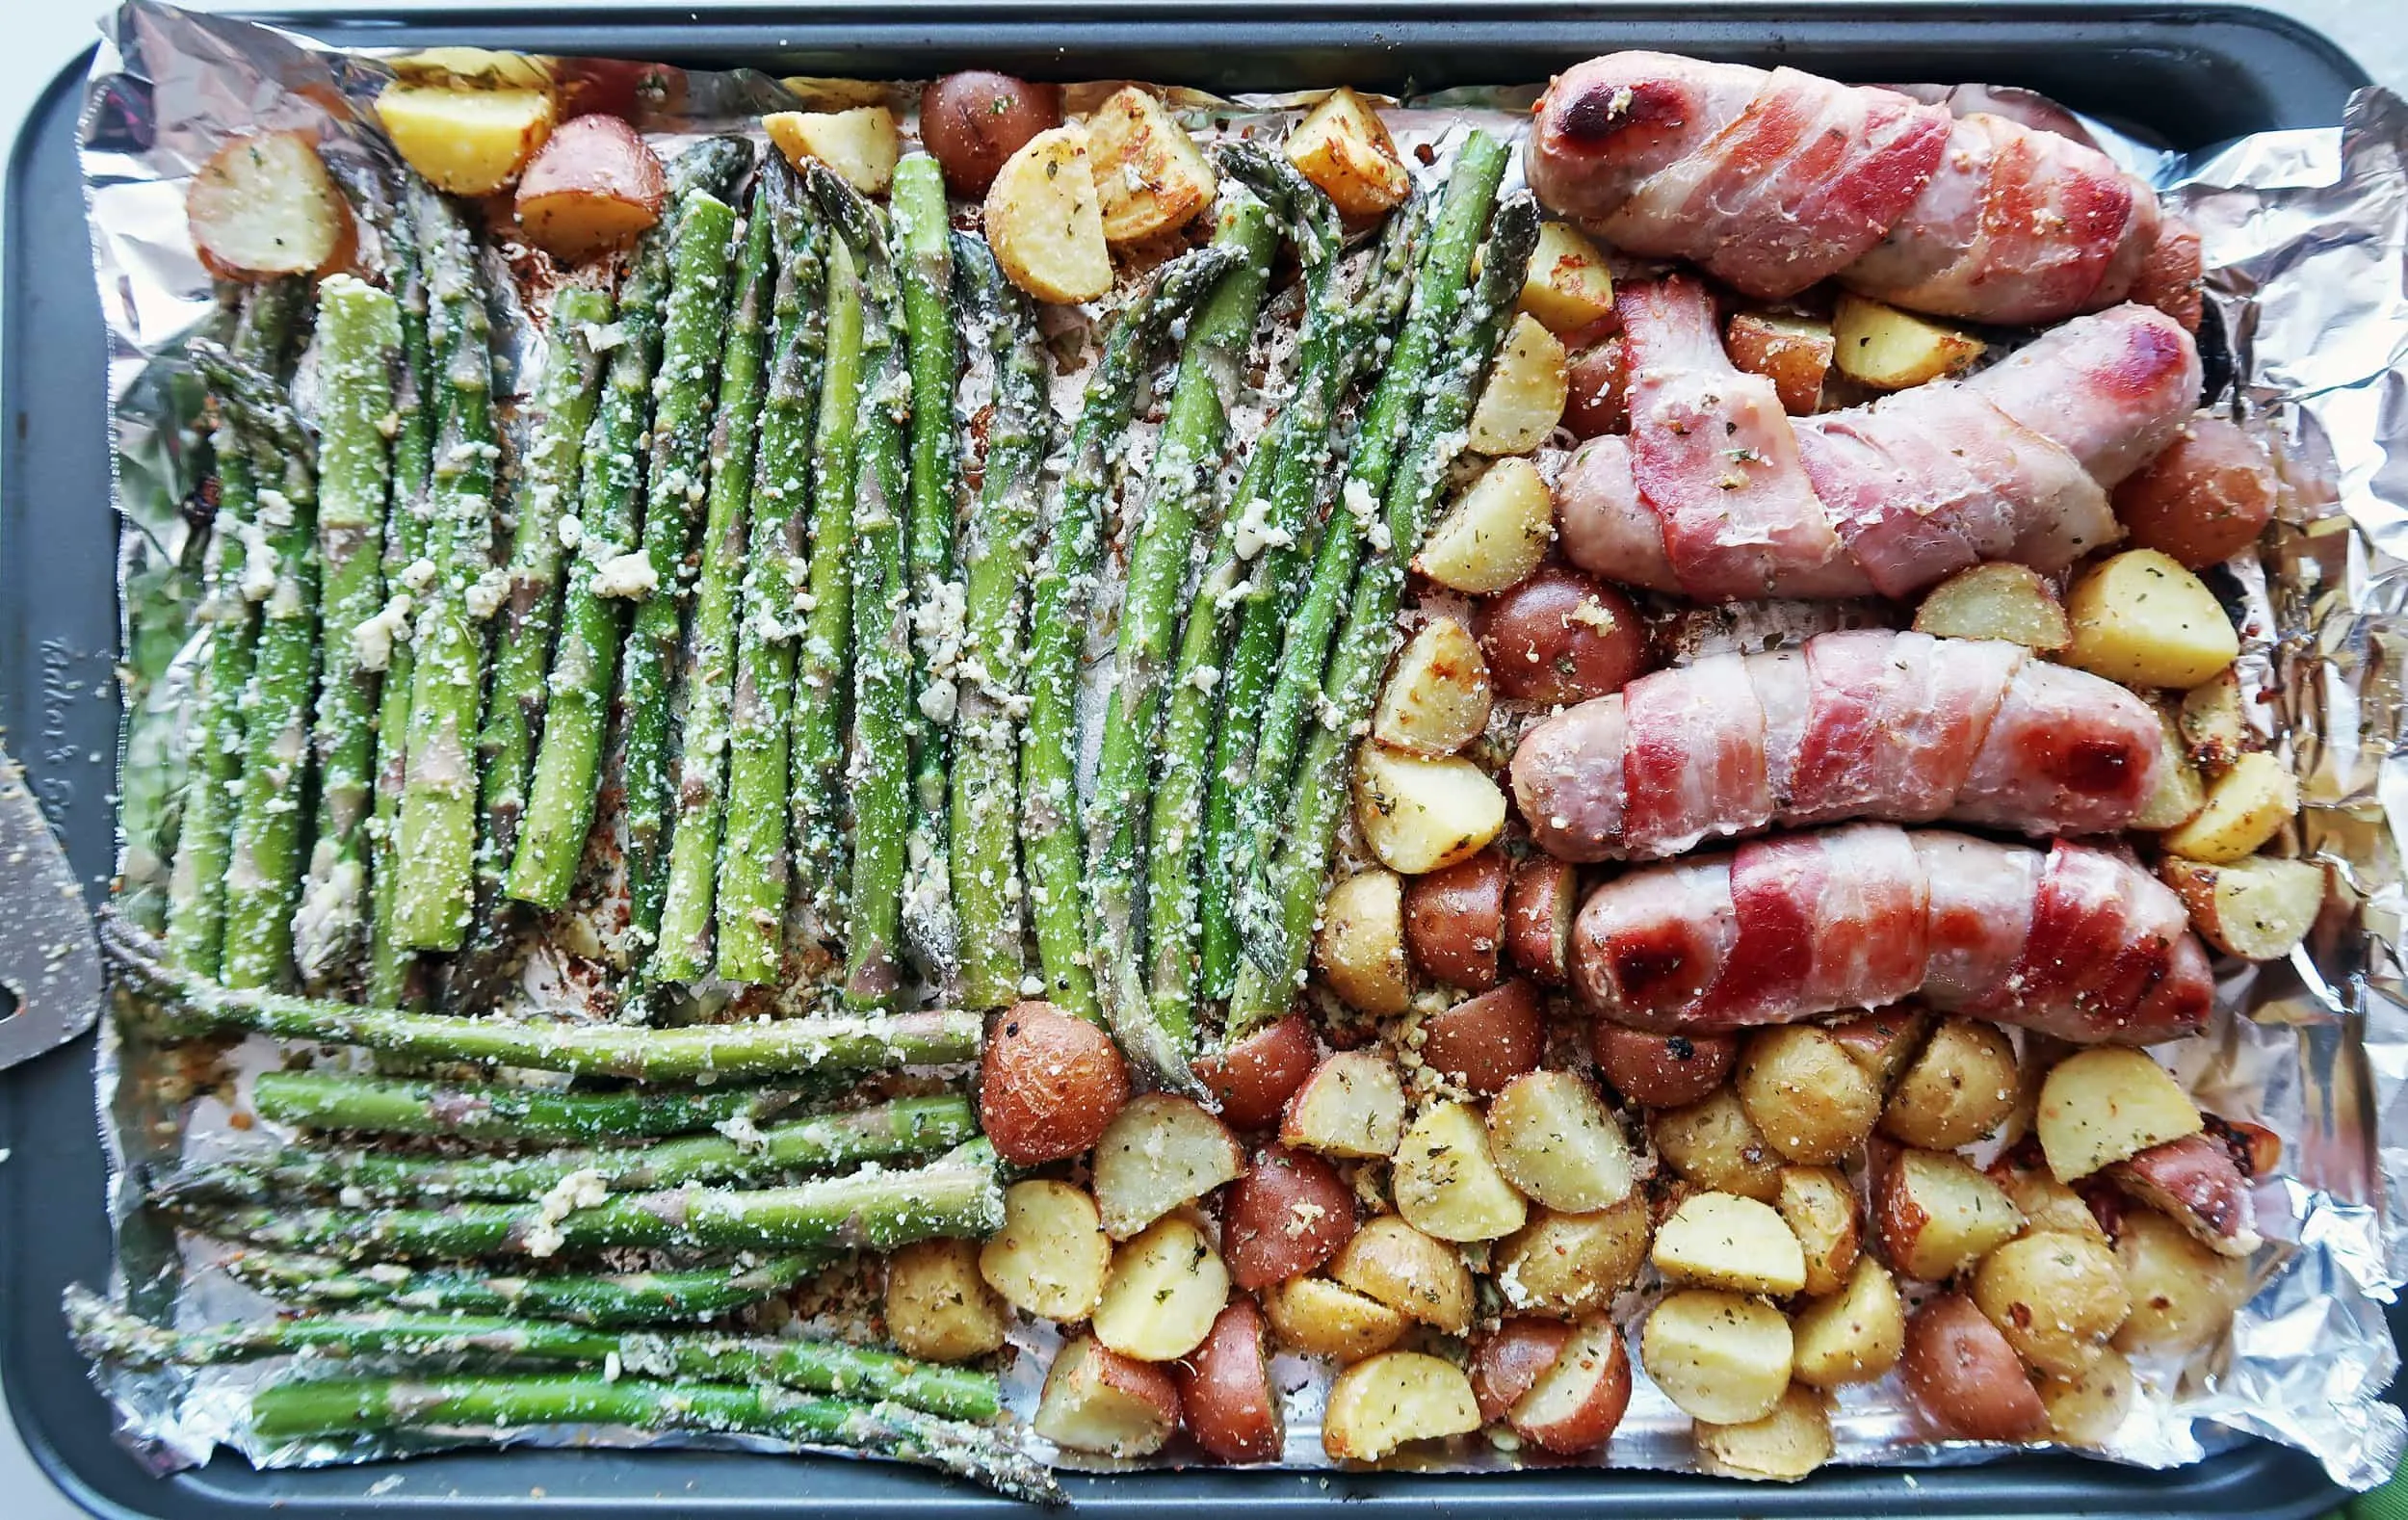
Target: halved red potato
(2205, 499)
(1454, 920)
(1600, 401)
(1255, 1078)
(1289, 1213)
(1509, 1360)
(1483, 1043)
(1158, 1152)
(1225, 1392)
(1096, 1399)
(593, 185)
(264, 206)
(1575, 1405)
(1661, 1071)
(1965, 1378)
(972, 121)
(1561, 636)
(1048, 1084)
(1540, 904)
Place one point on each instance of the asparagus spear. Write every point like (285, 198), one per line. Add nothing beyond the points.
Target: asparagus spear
(676, 481)
(683, 946)
(561, 798)
(522, 659)
(359, 339)
(405, 542)
(692, 1293)
(264, 865)
(1275, 590)
(999, 546)
(879, 765)
(903, 1130)
(104, 1333)
(324, 1409)
(1266, 981)
(824, 659)
(956, 1195)
(703, 1051)
(923, 252)
(196, 886)
(336, 1100)
(1058, 602)
(438, 821)
(753, 865)
(1186, 461)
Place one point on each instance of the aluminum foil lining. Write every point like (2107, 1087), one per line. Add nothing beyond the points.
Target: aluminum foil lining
(2306, 245)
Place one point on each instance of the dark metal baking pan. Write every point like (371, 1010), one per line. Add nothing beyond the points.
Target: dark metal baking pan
(2190, 75)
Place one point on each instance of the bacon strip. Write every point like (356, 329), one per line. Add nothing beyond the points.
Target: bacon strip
(1864, 724)
(1774, 181)
(2079, 943)
(1718, 495)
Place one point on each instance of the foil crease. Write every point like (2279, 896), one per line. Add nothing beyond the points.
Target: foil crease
(2305, 238)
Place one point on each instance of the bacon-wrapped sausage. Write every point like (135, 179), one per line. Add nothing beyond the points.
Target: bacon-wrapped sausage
(1869, 723)
(2077, 942)
(1774, 181)
(1720, 495)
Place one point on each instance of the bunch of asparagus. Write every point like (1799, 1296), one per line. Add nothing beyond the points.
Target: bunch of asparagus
(739, 549)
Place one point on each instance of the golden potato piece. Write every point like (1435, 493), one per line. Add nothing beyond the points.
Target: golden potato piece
(1412, 1274)
(1446, 1183)
(2183, 1293)
(1096, 1399)
(862, 145)
(2259, 908)
(2246, 806)
(1166, 1288)
(1805, 1093)
(1320, 1318)
(1525, 392)
(1885, 347)
(938, 1307)
(1050, 1257)
(2215, 724)
(1783, 1446)
(1714, 1144)
(1721, 1240)
(2180, 792)
(1421, 815)
(2056, 1296)
(1395, 1399)
(1794, 352)
(2142, 619)
(1567, 1265)
(1344, 148)
(1568, 285)
(1855, 1335)
(1496, 533)
(2011, 602)
(1360, 948)
(2088, 1408)
(465, 142)
(1819, 1208)
(1150, 177)
(264, 206)
(1959, 1089)
(1437, 698)
(2106, 1105)
(1719, 1356)
(1158, 1153)
(1044, 223)
(1558, 1143)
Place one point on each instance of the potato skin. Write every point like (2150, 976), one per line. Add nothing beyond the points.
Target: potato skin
(1561, 636)
(1661, 1071)
(2205, 499)
(1569, 1265)
(2056, 1296)
(1599, 400)
(1225, 1396)
(1255, 1078)
(1048, 1084)
(1959, 1089)
(1806, 1094)
(975, 119)
(1511, 1358)
(593, 184)
(1454, 921)
(2183, 1294)
(1965, 1378)
(1289, 1213)
(1540, 904)
(1484, 1042)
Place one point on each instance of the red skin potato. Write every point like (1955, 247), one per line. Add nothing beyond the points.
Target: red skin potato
(1484, 1042)
(1225, 1395)
(1289, 1213)
(1578, 1402)
(1048, 1084)
(974, 120)
(2205, 499)
(1540, 904)
(1600, 397)
(1509, 1361)
(1965, 1378)
(1454, 921)
(1561, 637)
(1661, 1071)
(1255, 1078)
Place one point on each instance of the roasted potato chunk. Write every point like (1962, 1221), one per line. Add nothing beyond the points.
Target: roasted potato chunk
(1540, 900)
(1883, 1042)
(1794, 352)
(1964, 1378)
(1818, 1205)
(1150, 177)
(1098, 1401)
(1568, 1265)
(1568, 285)
(2108, 1104)
(1805, 1095)
(2205, 499)
(974, 120)
(2142, 619)
(1556, 1142)
(862, 145)
(1446, 1184)
(1165, 1289)
(1855, 1335)
(1579, 1398)
(1561, 636)
(1437, 699)
(1254, 1078)
(1661, 1071)
(938, 1307)
(1483, 1043)
(1998, 600)
(1227, 1397)
(2183, 1294)
(2216, 726)
(1393, 1399)
(593, 185)
(1721, 1240)
(2246, 806)
(1420, 815)
(1496, 533)
(1360, 949)
(1043, 220)
(1289, 1213)
(1784, 1446)
(2180, 792)
(1714, 1145)
(1885, 347)
(2057, 1297)
(1523, 399)
(1158, 1153)
(1050, 1257)
(1454, 921)
(465, 142)
(1419, 1278)
(1048, 1084)
(1957, 1091)
(1320, 1318)
(1719, 1356)
(1352, 1105)
(264, 206)
(1938, 1216)
(1344, 148)
(2088, 1408)
(2259, 908)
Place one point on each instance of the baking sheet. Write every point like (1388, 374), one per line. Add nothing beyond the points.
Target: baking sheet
(2306, 239)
